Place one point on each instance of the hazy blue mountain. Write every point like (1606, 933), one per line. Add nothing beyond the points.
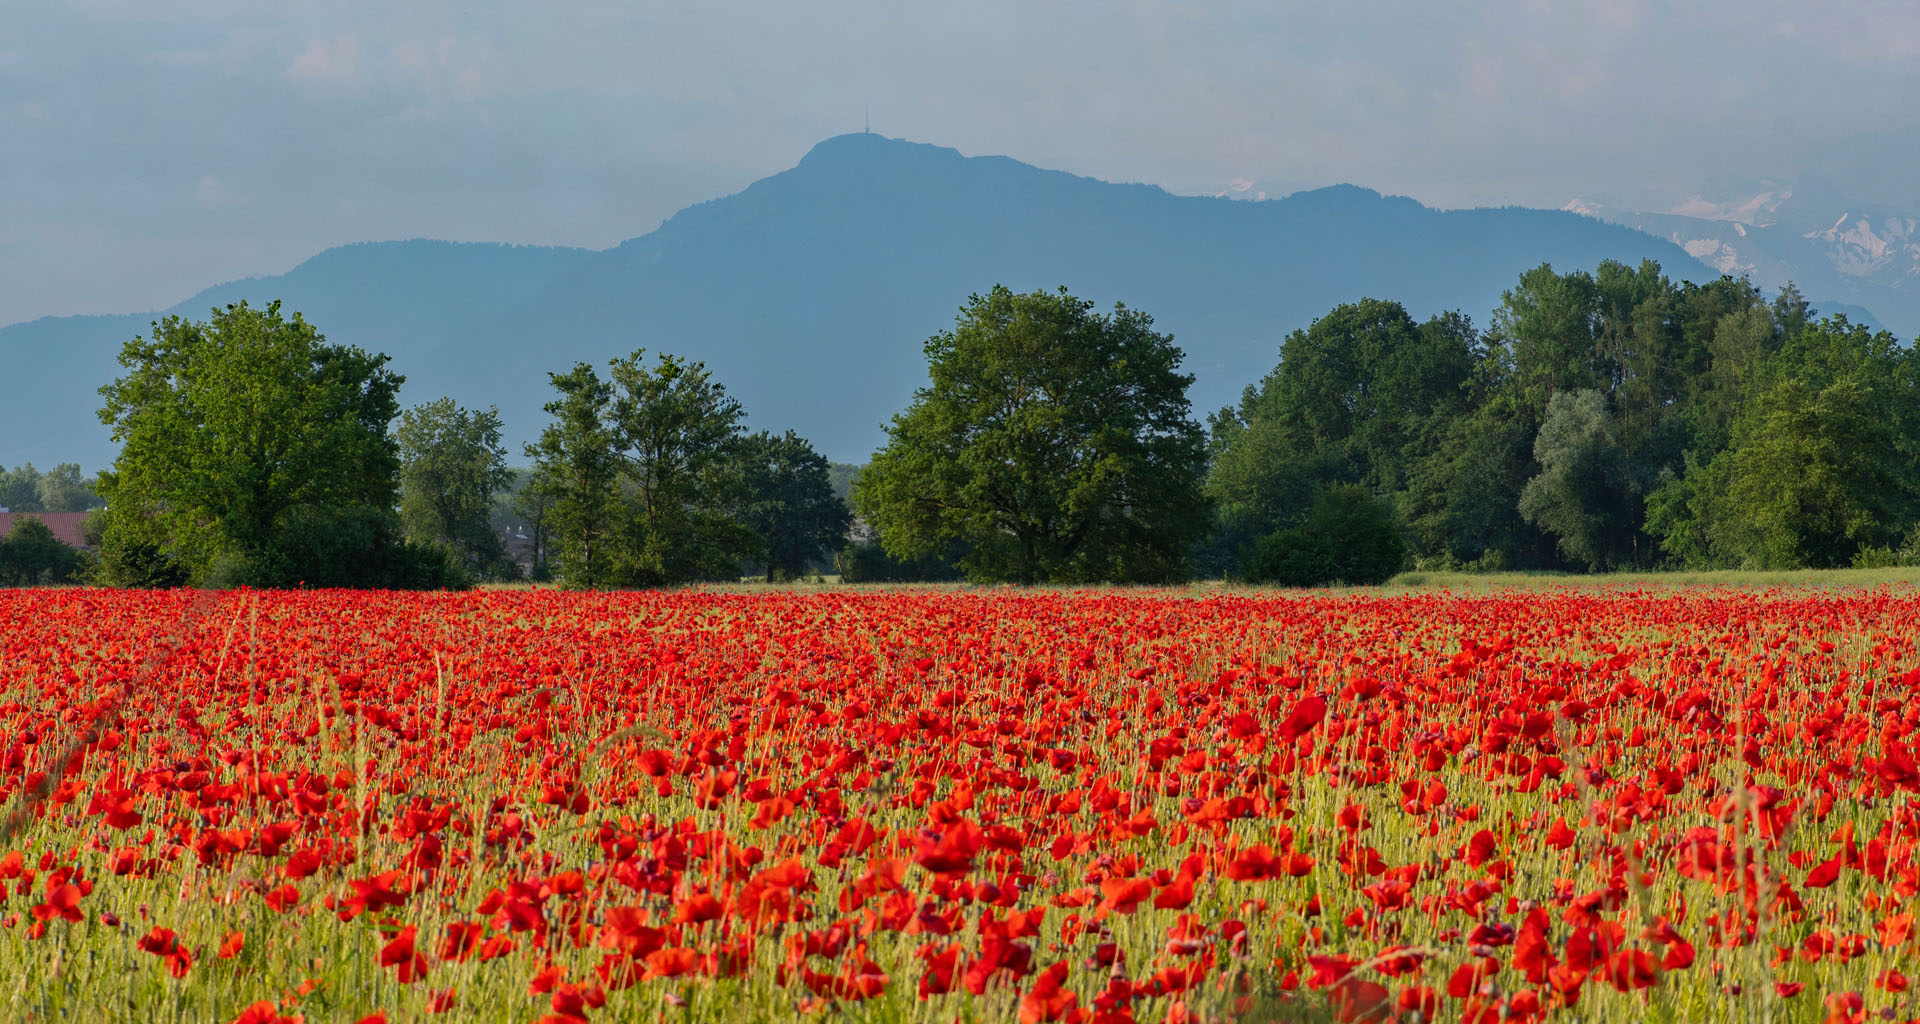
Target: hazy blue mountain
(409, 299)
(811, 293)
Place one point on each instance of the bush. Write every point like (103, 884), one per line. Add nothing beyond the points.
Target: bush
(351, 547)
(1349, 537)
(867, 562)
(1299, 557)
(125, 562)
(32, 556)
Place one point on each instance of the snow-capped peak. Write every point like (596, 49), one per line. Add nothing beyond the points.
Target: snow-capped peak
(1756, 211)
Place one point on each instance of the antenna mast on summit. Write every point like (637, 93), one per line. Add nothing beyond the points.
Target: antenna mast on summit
(866, 120)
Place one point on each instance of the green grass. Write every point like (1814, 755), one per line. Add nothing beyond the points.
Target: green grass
(1813, 579)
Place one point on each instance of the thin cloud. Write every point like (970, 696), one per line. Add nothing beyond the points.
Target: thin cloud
(589, 122)
(327, 60)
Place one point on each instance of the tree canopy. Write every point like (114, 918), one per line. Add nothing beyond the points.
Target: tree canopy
(575, 475)
(1361, 395)
(790, 502)
(1056, 441)
(239, 434)
(60, 489)
(1608, 419)
(451, 465)
(642, 475)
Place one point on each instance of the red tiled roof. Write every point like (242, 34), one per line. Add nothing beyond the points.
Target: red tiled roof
(65, 525)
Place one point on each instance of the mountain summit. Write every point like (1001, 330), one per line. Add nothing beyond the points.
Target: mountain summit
(1851, 253)
(811, 292)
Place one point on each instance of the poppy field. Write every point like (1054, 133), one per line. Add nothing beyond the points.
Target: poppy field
(1099, 806)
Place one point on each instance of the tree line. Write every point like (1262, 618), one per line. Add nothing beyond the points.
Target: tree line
(1602, 420)
(254, 452)
(30, 553)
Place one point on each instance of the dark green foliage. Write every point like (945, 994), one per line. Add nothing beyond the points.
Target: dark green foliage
(1349, 537)
(1365, 394)
(60, 489)
(1609, 420)
(232, 427)
(127, 561)
(678, 438)
(791, 503)
(867, 561)
(1295, 557)
(352, 547)
(451, 466)
(641, 479)
(1461, 505)
(30, 555)
(574, 476)
(1056, 442)
(1821, 464)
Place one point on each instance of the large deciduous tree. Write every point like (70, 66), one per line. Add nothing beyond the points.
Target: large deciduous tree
(790, 502)
(1059, 442)
(641, 475)
(1823, 463)
(678, 435)
(451, 465)
(1581, 495)
(575, 474)
(1361, 395)
(234, 428)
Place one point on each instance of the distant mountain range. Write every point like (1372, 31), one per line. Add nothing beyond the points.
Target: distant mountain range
(1853, 254)
(811, 292)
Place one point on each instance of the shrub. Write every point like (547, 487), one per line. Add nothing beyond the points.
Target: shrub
(353, 547)
(125, 562)
(1349, 537)
(867, 562)
(32, 556)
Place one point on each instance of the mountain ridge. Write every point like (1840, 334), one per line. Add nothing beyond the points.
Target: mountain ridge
(1862, 255)
(810, 293)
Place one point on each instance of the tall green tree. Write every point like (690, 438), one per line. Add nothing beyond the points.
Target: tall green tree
(640, 475)
(64, 489)
(791, 502)
(230, 426)
(1581, 496)
(1059, 442)
(1546, 325)
(1823, 463)
(678, 436)
(576, 473)
(20, 489)
(1362, 395)
(451, 465)
(1462, 502)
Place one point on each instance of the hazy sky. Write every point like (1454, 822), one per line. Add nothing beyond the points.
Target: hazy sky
(149, 148)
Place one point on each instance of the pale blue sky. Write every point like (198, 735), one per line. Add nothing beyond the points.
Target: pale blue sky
(152, 147)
